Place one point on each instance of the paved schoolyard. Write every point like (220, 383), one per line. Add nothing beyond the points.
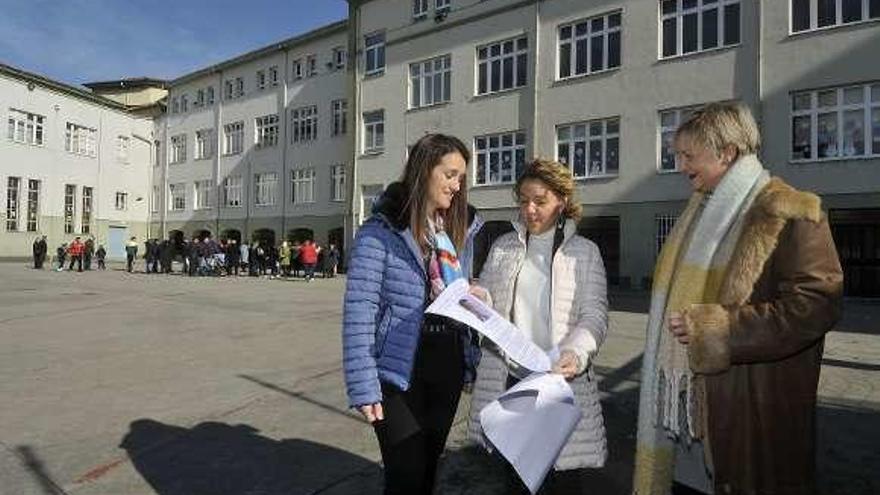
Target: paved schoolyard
(116, 384)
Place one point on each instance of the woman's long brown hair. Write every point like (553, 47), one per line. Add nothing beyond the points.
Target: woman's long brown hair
(424, 156)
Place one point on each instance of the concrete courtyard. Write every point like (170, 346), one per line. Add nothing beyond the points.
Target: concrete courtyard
(128, 384)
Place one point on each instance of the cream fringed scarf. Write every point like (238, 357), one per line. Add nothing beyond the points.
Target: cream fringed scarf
(689, 270)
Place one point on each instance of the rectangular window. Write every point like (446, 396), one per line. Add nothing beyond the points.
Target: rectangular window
(420, 9)
(304, 124)
(588, 46)
(690, 26)
(311, 66)
(233, 138)
(200, 98)
(87, 197)
(177, 197)
(303, 186)
(261, 79)
(122, 146)
(178, 149)
(663, 225)
(264, 188)
(154, 200)
(669, 122)
(337, 187)
(232, 191)
(340, 117)
(430, 82)
(239, 87)
(203, 196)
(25, 127)
(836, 123)
(184, 103)
(228, 90)
(500, 158)
(266, 131)
(502, 66)
(374, 53)
(204, 144)
(210, 95)
(70, 207)
(13, 185)
(807, 15)
(339, 57)
(442, 4)
(273, 75)
(374, 131)
(33, 205)
(590, 148)
(80, 140)
(121, 201)
(297, 71)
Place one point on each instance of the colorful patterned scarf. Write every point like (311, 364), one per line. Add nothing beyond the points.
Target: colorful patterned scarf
(443, 265)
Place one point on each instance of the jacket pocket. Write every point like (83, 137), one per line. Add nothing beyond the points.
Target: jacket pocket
(382, 330)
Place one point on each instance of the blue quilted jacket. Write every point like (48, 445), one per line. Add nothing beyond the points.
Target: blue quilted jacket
(385, 298)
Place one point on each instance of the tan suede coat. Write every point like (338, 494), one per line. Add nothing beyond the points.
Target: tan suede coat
(760, 350)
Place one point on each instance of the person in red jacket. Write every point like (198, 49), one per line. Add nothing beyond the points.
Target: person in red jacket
(76, 250)
(308, 255)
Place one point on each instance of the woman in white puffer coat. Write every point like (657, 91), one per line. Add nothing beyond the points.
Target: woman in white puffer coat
(550, 282)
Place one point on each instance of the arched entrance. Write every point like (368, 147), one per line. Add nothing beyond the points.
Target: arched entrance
(265, 237)
(202, 234)
(484, 239)
(176, 238)
(300, 235)
(605, 232)
(231, 234)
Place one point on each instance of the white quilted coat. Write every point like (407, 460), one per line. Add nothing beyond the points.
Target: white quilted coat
(579, 309)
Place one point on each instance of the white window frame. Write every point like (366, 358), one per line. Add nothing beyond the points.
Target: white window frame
(266, 131)
(233, 138)
(177, 196)
(33, 205)
(121, 203)
(273, 75)
(868, 105)
(80, 140)
(204, 144)
(178, 149)
(585, 40)
(519, 48)
(374, 131)
(202, 194)
(184, 103)
(232, 188)
(297, 69)
(304, 124)
(311, 65)
(88, 198)
(200, 98)
(13, 203)
(663, 225)
(337, 183)
(25, 127)
(261, 79)
(420, 9)
(599, 132)
(492, 146)
(340, 117)
(210, 95)
(239, 87)
(678, 115)
(432, 73)
(441, 5)
(699, 10)
(838, 16)
(340, 57)
(228, 90)
(69, 211)
(374, 53)
(123, 145)
(265, 188)
(302, 186)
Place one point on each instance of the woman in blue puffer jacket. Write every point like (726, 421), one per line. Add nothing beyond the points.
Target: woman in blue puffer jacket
(404, 369)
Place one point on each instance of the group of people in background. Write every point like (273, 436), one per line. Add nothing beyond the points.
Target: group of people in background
(77, 252)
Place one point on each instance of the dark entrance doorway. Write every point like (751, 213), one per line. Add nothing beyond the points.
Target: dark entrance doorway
(300, 235)
(857, 237)
(605, 232)
(264, 237)
(483, 242)
(232, 234)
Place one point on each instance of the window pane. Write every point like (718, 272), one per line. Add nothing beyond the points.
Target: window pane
(507, 165)
(416, 93)
(597, 24)
(580, 160)
(562, 153)
(688, 4)
(875, 130)
(580, 131)
(689, 33)
(612, 127)
(508, 47)
(614, 49)
(581, 29)
(508, 73)
(496, 75)
(447, 86)
(611, 158)
(520, 139)
(563, 133)
(667, 155)
(852, 10)
(801, 101)
(595, 128)
(667, 119)
(668, 6)
(481, 168)
(596, 157)
(581, 57)
(495, 50)
(875, 93)
(669, 38)
(800, 15)
(853, 133)
(828, 98)
(731, 24)
(853, 95)
(827, 135)
(481, 143)
(710, 28)
(565, 33)
(493, 167)
(565, 60)
(483, 53)
(827, 13)
(874, 10)
(801, 137)
(520, 159)
(613, 20)
(597, 49)
(483, 79)
(507, 140)
(521, 69)
(522, 43)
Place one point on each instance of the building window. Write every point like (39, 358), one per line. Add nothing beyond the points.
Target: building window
(155, 199)
(175, 105)
(807, 15)
(228, 89)
(339, 57)
(836, 123)
(689, 26)
(430, 81)
(210, 95)
(232, 191)
(178, 149)
(500, 158)
(303, 186)
(177, 197)
(200, 98)
(33, 205)
(297, 71)
(340, 117)
(311, 66)
(80, 140)
(669, 122)
(202, 190)
(261, 79)
(25, 127)
(264, 188)
(591, 148)
(122, 146)
(87, 195)
(337, 178)
(121, 201)
(304, 123)
(589, 46)
(184, 103)
(239, 87)
(374, 131)
(442, 5)
(13, 185)
(157, 146)
(420, 9)
(70, 207)
(663, 225)
(374, 53)
(266, 131)
(233, 138)
(273, 75)
(204, 144)
(502, 66)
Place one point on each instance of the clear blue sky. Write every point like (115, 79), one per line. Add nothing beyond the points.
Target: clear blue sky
(77, 41)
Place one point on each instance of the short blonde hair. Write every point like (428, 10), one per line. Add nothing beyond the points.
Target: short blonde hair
(718, 125)
(557, 177)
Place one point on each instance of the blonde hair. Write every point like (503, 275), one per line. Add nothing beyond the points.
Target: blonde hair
(718, 125)
(557, 177)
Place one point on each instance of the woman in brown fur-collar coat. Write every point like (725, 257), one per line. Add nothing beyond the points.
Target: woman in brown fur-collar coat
(745, 289)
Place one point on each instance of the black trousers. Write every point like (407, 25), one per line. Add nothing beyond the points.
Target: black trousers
(413, 434)
(79, 263)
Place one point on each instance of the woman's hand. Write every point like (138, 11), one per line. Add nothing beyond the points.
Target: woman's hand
(567, 365)
(480, 293)
(678, 326)
(372, 412)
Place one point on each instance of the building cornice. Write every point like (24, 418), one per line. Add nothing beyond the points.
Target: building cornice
(37, 80)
